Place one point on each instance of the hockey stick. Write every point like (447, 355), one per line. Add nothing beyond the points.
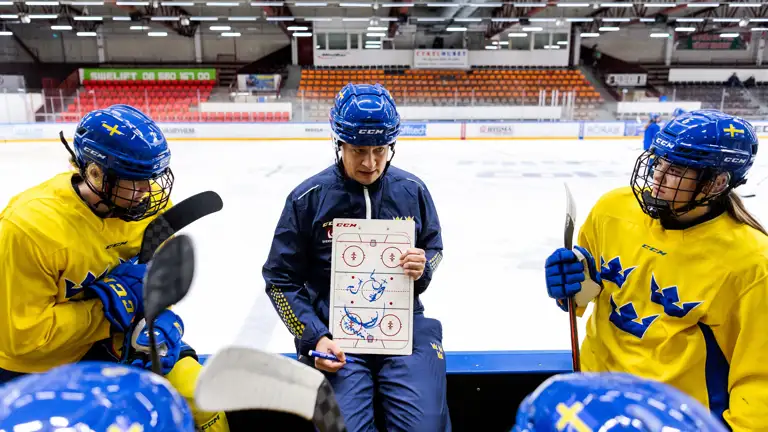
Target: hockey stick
(570, 226)
(175, 219)
(168, 278)
(240, 378)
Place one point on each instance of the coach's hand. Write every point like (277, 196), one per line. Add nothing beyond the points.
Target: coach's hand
(413, 262)
(327, 345)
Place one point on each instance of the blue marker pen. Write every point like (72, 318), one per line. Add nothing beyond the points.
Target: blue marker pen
(327, 356)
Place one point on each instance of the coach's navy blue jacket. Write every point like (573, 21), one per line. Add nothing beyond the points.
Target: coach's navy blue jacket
(298, 269)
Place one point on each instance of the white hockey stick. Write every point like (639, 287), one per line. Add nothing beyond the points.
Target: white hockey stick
(240, 378)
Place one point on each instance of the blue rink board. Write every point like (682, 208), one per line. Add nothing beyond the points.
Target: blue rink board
(500, 362)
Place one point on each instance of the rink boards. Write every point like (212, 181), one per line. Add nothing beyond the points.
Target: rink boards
(501, 207)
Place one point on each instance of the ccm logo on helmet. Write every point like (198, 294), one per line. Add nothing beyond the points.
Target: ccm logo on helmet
(734, 160)
(93, 152)
(370, 131)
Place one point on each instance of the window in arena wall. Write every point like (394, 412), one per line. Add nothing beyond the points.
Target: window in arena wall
(320, 42)
(354, 40)
(337, 41)
(560, 39)
(540, 40)
(520, 43)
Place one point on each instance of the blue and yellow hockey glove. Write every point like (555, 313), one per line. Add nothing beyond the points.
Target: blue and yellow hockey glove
(121, 292)
(169, 329)
(572, 273)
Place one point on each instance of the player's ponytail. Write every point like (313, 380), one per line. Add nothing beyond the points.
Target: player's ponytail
(737, 210)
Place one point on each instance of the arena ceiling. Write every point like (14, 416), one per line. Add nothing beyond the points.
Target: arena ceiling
(296, 18)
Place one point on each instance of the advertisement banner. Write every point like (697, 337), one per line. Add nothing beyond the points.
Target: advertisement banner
(761, 128)
(626, 80)
(258, 82)
(147, 74)
(603, 129)
(441, 59)
(414, 129)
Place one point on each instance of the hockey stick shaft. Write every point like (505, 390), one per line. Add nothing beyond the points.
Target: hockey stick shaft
(570, 226)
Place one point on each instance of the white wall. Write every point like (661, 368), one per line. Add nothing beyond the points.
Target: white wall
(19, 107)
(124, 45)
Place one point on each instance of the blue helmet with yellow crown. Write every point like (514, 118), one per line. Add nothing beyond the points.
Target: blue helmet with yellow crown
(364, 115)
(93, 396)
(591, 402)
(131, 152)
(702, 145)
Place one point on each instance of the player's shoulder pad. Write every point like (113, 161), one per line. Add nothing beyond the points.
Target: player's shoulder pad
(615, 199)
(314, 184)
(406, 180)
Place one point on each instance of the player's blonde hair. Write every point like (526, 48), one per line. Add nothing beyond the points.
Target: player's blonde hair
(736, 208)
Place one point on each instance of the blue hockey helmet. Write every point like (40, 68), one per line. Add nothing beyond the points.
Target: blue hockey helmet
(96, 396)
(364, 115)
(654, 116)
(126, 145)
(703, 144)
(677, 112)
(611, 401)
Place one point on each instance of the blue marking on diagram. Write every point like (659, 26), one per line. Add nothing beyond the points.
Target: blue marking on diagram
(377, 290)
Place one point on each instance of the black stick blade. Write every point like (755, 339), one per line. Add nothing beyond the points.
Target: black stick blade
(175, 219)
(169, 276)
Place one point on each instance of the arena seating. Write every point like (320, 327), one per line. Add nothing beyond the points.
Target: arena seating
(737, 100)
(163, 100)
(449, 87)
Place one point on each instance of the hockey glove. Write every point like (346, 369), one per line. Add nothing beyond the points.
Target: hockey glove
(572, 273)
(121, 293)
(169, 329)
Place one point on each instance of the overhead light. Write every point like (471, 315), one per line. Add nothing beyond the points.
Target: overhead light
(86, 3)
(517, 35)
(165, 18)
(689, 20)
(562, 42)
(86, 33)
(532, 29)
(530, 5)
(377, 28)
(220, 28)
(456, 29)
(659, 5)
(44, 16)
(132, 3)
(85, 18)
(121, 18)
(489, 4)
(231, 34)
(647, 20)
(355, 4)
(203, 18)
(542, 19)
(61, 27)
(157, 34)
(659, 35)
(297, 28)
(468, 19)
(397, 5)
(702, 5)
(615, 4)
(616, 19)
(551, 47)
(758, 20)
(42, 3)
(375, 34)
(6, 3)
(242, 18)
(491, 47)
(318, 19)
(346, 19)
(608, 29)
(589, 35)
(280, 18)
(139, 27)
(685, 29)
(759, 29)
(310, 4)
(729, 35)
(5, 33)
(8, 16)
(302, 34)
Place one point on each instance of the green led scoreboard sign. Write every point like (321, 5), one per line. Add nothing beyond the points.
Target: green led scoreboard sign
(149, 74)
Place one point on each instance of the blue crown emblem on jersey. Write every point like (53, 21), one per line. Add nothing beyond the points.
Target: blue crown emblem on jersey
(709, 139)
(364, 115)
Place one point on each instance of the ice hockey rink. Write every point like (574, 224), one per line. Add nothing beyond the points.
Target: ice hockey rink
(501, 206)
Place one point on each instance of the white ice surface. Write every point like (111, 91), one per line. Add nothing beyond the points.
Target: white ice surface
(501, 206)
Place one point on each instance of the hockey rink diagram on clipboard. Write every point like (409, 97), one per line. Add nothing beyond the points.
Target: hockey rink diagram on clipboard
(371, 310)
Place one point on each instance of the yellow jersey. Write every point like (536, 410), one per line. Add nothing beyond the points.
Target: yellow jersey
(52, 244)
(685, 307)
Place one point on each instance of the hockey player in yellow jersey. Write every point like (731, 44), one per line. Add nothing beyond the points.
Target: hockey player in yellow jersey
(70, 284)
(680, 281)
